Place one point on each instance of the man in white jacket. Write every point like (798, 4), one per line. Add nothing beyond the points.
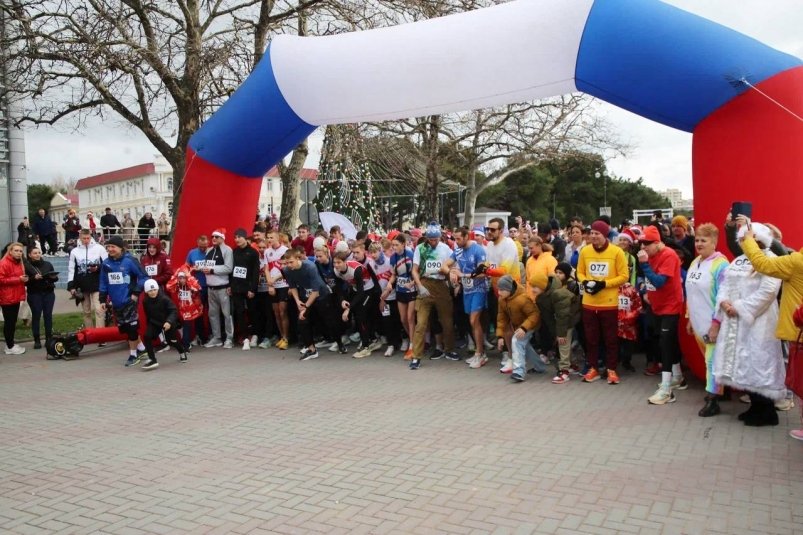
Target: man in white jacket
(84, 274)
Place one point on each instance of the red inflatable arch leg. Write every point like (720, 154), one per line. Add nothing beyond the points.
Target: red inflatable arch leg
(210, 198)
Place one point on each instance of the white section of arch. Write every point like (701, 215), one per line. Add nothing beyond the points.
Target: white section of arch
(512, 52)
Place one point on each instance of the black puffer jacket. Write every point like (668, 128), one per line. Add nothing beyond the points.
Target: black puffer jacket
(161, 309)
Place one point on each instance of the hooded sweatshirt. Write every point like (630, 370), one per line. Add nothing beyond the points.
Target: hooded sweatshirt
(120, 279)
(157, 266)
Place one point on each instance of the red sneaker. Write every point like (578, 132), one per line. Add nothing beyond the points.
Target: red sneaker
(652, 369)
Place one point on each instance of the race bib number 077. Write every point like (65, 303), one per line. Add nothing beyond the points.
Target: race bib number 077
(598, 269)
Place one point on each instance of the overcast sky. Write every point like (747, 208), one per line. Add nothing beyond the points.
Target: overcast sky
(662, 156)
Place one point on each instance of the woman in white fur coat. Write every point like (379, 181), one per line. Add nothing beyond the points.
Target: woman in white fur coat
(748, 356)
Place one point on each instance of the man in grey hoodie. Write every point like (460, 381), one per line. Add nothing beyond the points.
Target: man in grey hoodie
(218, 267)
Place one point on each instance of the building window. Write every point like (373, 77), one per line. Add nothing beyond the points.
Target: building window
(170, 184)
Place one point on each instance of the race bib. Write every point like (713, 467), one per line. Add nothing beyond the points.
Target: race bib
(624, 302)
(209, 263)
(432, 267)
(116, 278)
(650, 287)
(695, 276)
(200, 264)
(184, 295)
(467, 282)
(152, 270)
(240, 272)
(386, 311)
(598, 269)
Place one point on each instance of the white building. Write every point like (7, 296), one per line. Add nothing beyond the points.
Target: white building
(270, 196)
(675, 198)
(142, 188)
(483, 216)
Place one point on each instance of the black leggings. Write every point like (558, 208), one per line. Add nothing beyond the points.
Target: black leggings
(366, 315)
(10, 315)
(320, 317)
(666, 329)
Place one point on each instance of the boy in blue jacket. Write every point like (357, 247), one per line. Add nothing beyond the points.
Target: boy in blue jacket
(121, 280)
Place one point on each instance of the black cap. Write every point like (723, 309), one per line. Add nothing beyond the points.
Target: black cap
(241, 233)
(116, 240)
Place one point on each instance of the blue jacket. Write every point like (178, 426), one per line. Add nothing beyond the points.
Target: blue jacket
(43, 226)
(193, 257)
(120, 279)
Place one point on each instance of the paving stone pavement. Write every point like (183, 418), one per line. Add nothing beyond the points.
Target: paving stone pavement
(258, 442)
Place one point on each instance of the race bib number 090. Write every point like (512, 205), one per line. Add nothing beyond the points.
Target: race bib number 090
(432, 267)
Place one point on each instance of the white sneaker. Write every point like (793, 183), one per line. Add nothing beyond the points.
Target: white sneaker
(662, 396)
(355, 337)
(785, 404)
(254, 340)
(264, 344)
(16, 349)
(471, 346)
(227, 344)
(481, 361)
(376, 344)
(405, 345)
(345, 340)
(389, 351)
(383, 339)
(246, 345)
(471, 360)
(362, 353)
(333, 348)
(214, 342)
(507, 366)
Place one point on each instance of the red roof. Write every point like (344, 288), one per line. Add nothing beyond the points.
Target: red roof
(306, 173)
(73, 199)
(116, 176)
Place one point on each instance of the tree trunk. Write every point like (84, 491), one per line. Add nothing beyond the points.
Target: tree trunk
(471, 198)
(291, 189)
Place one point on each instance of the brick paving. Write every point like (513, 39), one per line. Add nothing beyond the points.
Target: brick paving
(258, 442)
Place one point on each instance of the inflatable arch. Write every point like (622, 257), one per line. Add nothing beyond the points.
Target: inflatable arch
(739, 97)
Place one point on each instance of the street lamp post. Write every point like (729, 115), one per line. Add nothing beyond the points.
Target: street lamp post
(604, 176)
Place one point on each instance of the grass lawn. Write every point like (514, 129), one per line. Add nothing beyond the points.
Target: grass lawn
(62, 323)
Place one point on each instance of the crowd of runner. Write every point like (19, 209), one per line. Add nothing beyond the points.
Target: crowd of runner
(574, 302)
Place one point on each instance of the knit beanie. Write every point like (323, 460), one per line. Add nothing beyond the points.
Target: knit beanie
(564, 267)
(602, 227)
(506, 284)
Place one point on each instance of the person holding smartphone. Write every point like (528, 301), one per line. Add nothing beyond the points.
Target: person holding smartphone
(41, 287)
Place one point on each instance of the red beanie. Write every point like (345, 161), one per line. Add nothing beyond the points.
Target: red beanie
(602, 227)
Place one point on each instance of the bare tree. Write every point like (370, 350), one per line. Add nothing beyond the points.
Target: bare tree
(491, 144)
(63, 185)
(162, 67)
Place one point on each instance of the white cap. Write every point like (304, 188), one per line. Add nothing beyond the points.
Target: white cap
(151, 284)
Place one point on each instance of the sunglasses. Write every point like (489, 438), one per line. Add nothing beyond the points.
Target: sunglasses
(491, 229)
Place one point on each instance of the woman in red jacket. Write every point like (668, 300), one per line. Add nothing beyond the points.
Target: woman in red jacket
(12, 293)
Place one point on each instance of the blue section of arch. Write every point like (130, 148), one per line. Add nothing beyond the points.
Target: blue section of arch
(666, 64)
(254, 129)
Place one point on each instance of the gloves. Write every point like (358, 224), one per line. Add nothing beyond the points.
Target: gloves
(593, 287)
(422, 291)
(479, 270)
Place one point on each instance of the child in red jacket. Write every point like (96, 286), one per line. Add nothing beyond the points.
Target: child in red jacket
(185, 291)
(627, 328)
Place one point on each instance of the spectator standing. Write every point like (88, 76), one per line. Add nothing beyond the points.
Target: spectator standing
(12, 293)
(129, 231)
(45, 230)
(219, 263)
(109, 223)
(163, 227)
(144, 228)
(25, 234)
(71, 226)
(83, 274)
(41, 287)
(93, 224)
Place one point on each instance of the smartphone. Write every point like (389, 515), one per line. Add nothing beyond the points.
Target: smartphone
(743, 208)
